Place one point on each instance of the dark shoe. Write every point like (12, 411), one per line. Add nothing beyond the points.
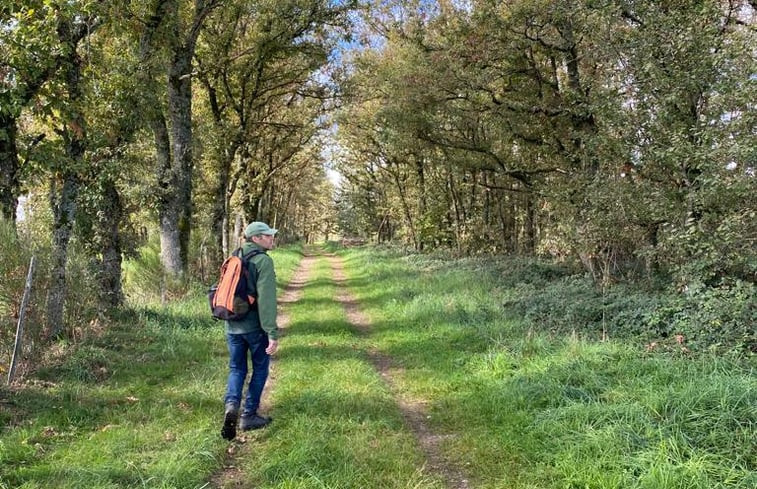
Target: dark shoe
(253, 422)
(229, 430)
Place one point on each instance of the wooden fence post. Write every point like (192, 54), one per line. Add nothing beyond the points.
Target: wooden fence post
(20, 326)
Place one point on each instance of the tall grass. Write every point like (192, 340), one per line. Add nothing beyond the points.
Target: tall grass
(16, 251)
(526, 407)
(128, 409)
(521, 407)
(13, 270)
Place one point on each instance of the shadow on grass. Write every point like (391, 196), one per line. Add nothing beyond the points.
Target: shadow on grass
(334, 404)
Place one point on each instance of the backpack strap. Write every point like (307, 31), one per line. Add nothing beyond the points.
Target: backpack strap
(246, 259)
(250, 254)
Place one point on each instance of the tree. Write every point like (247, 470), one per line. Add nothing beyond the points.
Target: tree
(175, 26)
(28, 60)
(104, 209)
(688, 78)
(584, 129)
(73, 26)
(257, 67)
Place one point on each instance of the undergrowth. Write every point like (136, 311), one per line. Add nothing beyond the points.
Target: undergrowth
(135, 404)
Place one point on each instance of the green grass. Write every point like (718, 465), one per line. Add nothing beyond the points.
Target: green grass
(532, 409)
(137, 407)
(523, 408)
(335, 423)
(129, 409)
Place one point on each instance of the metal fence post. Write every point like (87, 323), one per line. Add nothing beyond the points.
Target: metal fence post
(20, 326)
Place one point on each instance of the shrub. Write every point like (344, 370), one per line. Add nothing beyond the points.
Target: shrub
(717, 318)
(81, 296)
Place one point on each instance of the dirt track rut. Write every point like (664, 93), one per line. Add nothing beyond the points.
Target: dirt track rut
(413, 411)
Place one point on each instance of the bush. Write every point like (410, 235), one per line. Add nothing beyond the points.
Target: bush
(719, 318)
(81, 295)
(716, 318)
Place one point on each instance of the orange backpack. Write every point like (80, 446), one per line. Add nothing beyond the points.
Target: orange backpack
(229, 298)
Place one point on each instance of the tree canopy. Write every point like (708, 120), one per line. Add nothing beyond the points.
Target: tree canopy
(618, 133)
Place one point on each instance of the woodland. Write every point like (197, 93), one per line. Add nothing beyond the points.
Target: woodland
(615, 137)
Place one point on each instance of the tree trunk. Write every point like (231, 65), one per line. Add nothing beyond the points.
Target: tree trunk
(406, 208)
(254, 207)
(63, 202)
(505, 232)
(110, 266)
(529, 225)
(218, 220)
(239, 225)
(457, 218)
(225, 242)
(513, 221)
(175, 205)
(169, 249)
(422, 202)
(221, 207)
(176, 218)
(9, 183)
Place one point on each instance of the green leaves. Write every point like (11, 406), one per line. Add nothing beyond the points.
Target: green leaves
(616, 121)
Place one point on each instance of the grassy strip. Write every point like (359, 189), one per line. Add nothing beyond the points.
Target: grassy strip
(335, 423)
(139, 406)
(530, 409)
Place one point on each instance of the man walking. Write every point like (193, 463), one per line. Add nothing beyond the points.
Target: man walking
(256, 333)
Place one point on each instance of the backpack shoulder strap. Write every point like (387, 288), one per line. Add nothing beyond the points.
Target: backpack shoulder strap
(246, 259)
(252, 254)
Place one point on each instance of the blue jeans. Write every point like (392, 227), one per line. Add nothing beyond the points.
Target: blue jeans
(239, 345)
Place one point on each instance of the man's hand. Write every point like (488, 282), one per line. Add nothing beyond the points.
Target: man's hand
(273, 345)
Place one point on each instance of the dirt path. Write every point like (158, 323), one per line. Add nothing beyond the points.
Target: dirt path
(230, 476)
(413, 411)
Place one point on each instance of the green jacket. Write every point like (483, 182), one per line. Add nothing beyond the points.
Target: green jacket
(264, 315)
